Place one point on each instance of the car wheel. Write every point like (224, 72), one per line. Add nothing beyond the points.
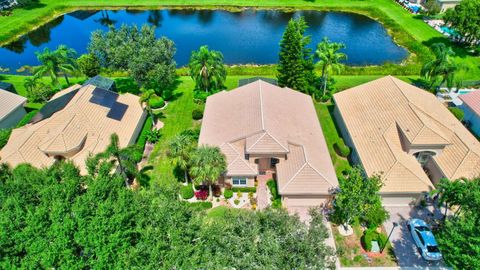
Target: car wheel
(419, 251)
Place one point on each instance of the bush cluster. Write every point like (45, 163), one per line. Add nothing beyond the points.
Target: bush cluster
(228, 193)
(156, 102)
(201, 194)
(197, 114)
(244, 189)
(276, 199)
(341, 148)
(371, 235)
(200, 206)
(4, 136)
(187, 192)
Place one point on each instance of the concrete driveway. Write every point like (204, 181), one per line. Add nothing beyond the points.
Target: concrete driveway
(401, 239)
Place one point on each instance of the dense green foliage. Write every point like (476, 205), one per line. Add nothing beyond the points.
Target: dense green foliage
(4, 136)
(88, 65)
(459, 114)
(180, 150)
(276, 198)
(442, 68)
(341, 148)
(329, 61)
(142, 138)
(149, 60)
(55, 218)
(372, 235)
(27, 118)
(156, 102)
(295, 66)
(358, 200)
(197, 114)
(459, 236)
(465, 19)
(228, 193)
(207, 69)
(186, 192)
(207, 164)
(52, 63)
(432, 6)
(244, 189)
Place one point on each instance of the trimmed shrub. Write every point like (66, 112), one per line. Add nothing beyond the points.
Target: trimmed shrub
(459, 114)
(153, 135)
(4, 136)
(201, 195)
(276, 199)
(371, 235)
(341, 148)
(236, 201)
(228, 193)
(187, 192)
(244, 189)
(156, 102)
(142, 138)
(197, 114)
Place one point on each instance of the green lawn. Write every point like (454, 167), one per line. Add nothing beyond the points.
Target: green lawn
(407, 29)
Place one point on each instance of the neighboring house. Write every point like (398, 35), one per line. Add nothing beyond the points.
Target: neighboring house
(405, 134)
(11, 108)
(446, 4)
(471, 107)
(262, 128)
(80, 127)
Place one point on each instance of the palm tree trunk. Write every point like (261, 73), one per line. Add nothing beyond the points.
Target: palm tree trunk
(446, 210)
(66, 78)
(325, 85)
(186, 176)
(122, 170)
(210, 192)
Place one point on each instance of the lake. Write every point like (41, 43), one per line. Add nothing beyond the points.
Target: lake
(247, 37)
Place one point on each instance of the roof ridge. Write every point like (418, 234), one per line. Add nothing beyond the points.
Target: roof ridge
(261, 104)
(294, 175)
(251, 146)
(274, 138)
(431, 118)
(321, 174)
(461, 162)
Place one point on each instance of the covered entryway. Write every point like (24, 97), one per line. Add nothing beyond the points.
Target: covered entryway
(266, 165)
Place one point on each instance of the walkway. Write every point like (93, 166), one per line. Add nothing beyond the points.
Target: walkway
(263, 195)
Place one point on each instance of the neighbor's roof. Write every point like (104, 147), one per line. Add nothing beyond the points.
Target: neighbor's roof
(472, 100)
(83, 126)
(385, 116)
(100, 81)
(261, 118)
(9, 102)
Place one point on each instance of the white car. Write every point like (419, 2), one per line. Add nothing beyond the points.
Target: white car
(424, 240)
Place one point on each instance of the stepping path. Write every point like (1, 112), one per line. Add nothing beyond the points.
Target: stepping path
(263, 197)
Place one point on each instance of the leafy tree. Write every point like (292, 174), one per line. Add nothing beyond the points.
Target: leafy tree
(207, 165)
(295, 66)
(148, 60)
(432, 6)
(145, 97)
(207, 69)
(181, 148)
(62, 60)
(37, 91)
(442, 66)
(465, 19)
(358, 200)
(89, 65)
(458, 237)
(329, 59)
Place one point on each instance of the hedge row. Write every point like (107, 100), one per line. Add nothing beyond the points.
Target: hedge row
(276, 199)
(341, 148)
(244, 189)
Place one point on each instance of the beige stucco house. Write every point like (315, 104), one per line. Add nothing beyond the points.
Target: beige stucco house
(261, 127)
(83, 124)
(447, 4)
(405, 134)
(11, 108)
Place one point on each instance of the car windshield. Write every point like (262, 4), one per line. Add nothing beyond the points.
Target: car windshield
(433, 249)
(422, 228)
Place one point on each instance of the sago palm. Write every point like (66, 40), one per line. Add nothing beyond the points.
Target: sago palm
(207, 69)
(329, 59)
(207, 165)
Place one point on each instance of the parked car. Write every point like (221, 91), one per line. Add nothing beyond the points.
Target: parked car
(424, 240)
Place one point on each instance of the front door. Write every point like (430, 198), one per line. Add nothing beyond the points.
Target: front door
(264, 164)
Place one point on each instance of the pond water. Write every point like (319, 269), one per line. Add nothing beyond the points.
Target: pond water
(246, 37)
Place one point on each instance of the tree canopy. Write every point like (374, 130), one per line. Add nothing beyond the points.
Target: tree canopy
(442, 67)
(207, 69)
(56, 218)
(465, 19)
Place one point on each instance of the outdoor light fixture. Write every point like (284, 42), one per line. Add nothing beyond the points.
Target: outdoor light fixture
(395, 224)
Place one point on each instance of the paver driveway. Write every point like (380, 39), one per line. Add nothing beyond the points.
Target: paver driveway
(405, 249)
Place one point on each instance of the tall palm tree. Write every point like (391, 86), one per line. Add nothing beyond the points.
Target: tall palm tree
(181, 148)
(54, 62)
(329, 59)
(442, 66)
(207, 69)
(30, 83)
(145, 98)
(124, 157)
(207, 165)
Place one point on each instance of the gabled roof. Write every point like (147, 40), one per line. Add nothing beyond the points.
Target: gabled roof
(380, 113)
(9, 102)
(82, 126)
(472, 100)
(261, 118)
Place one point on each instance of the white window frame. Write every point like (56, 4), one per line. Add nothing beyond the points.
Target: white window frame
(239, 179)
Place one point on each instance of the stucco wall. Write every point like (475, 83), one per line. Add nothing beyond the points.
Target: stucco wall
(346, 136)
(138, 128)
(434, 171)
(12, 119)
(304, 200)
(250, 181)
(473, 118)
(400, 199)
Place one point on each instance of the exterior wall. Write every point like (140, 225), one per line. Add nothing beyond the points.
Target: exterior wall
(346, 136)
(12, 119)
(138, 129)
(304, 200)
(401, 199)
(473, 118)
(252, 157)
(250, 181)
(434, 171)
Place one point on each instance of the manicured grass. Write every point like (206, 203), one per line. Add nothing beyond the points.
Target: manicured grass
(351, 254)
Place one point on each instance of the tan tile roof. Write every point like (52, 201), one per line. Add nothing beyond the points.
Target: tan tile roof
(379, 113)
(9, 102)
(84, 126)
(261, 118)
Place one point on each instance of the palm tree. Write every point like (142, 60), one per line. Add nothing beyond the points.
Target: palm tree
(145, 99)
(54, 62)
(181, 149)
(207, 69)
(30, 83)
(124, 157)
(442, 66)
(207, 165)
(329, 59)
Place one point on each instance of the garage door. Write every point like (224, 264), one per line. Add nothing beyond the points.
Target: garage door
(399, 200)
(300, 201)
